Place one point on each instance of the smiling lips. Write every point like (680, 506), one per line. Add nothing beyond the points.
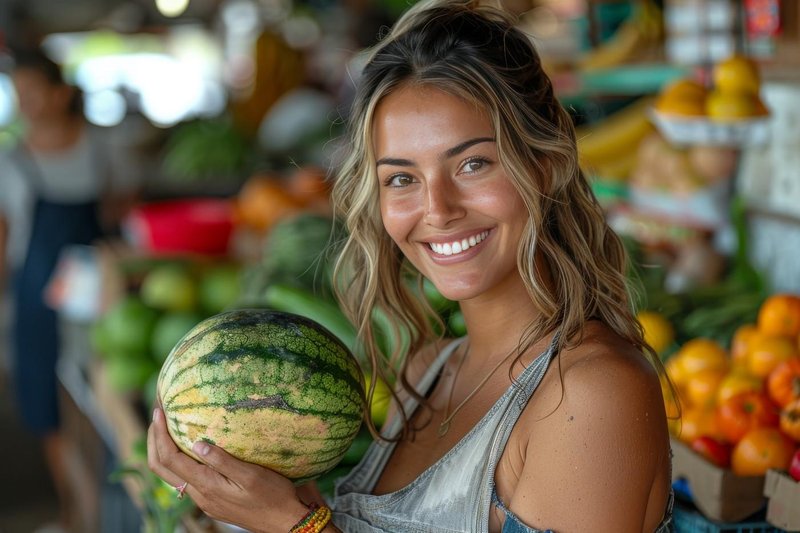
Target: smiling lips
(456, 247)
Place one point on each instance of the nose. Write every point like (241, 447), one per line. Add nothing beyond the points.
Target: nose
(442, 202)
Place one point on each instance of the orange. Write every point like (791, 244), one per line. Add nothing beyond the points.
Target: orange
(761, 449)
(696, 422)
(780, 315)
(740, 344)
(767, 352)
(684, 88)
(737, 74)
(702, 354)
(682, 97)
(736, 382)
(701, 388)
(726, 107)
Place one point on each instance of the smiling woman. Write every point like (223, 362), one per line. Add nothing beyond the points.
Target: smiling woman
(463, 172)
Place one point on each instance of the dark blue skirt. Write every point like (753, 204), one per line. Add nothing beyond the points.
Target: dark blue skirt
(35, 342)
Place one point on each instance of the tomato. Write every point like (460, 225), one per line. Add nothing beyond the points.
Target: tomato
(761, 449)
(744, 412)
(715, 451)
(783, 383)
(794, 466)
(790, 420)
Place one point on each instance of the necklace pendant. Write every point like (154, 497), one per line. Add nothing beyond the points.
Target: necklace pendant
(443, 428)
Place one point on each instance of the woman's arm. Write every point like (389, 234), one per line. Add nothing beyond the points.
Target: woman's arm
(592, 460)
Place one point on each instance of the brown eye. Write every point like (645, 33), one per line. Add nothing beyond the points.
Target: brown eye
(399, 180)
(473, 165)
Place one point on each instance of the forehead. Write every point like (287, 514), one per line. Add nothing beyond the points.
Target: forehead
(415, 115)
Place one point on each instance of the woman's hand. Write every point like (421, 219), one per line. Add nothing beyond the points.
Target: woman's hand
(224, 487)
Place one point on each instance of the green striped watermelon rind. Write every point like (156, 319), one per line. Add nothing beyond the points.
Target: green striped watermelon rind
(271, 388)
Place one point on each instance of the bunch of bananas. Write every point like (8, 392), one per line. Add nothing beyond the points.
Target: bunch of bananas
(608, 148)
(640, 31)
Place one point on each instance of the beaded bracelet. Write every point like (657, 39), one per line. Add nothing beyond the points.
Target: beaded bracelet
(314, 521)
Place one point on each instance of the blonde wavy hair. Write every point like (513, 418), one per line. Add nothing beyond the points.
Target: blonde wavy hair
(572, 263)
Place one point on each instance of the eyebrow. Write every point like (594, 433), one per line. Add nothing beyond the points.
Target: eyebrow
(450, 152)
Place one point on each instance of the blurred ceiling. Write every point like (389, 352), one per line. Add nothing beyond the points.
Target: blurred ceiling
(25, 21)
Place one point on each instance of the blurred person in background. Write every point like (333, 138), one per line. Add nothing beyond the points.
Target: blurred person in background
(56, 192)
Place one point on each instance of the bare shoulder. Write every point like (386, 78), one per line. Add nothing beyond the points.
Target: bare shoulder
(606, 368)
(605, 376)
(596, 430)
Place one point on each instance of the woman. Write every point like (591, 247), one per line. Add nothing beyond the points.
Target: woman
(548, 415)
(52, 182)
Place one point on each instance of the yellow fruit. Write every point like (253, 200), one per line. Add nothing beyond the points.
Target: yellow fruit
(740, 344)
(702, 354)
(701, 388)
(683, 97)
(724, 106)
(675, 372)
(381, 399)
(658, 331)
(737, 74)
(684, 88)
(696, 422)
(768, 351)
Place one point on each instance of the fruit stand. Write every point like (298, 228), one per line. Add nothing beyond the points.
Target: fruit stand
(689, 136)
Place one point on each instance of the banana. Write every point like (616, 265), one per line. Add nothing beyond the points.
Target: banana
(616, 136)
(626, 41)
(640, 30)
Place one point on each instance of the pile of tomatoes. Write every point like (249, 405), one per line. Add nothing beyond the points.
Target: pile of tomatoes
(740, 407)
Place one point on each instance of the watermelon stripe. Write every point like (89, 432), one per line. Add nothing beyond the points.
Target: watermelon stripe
(338, 403)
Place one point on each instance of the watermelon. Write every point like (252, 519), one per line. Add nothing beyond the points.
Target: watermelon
(271, 388)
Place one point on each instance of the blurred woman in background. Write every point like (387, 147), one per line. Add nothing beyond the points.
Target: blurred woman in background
(53, 181)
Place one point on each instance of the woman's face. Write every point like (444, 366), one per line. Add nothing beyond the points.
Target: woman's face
(445, 199)
(38, 99)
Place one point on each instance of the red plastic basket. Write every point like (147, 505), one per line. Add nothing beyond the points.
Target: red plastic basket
(190, 225)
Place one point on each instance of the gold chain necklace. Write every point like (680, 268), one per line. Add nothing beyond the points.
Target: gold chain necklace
(444, 426)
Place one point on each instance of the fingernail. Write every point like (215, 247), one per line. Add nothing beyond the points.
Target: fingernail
(201, 448)
(156, 414)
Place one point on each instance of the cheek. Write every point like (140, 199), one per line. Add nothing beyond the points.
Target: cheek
(399, 215)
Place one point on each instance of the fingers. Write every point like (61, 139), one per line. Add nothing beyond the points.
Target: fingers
(229, 466)
(154, 461)
(169, 462)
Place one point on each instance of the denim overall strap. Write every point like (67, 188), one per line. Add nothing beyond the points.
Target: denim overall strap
(525, 385)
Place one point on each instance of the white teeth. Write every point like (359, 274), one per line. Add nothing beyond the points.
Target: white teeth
(456, 247)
